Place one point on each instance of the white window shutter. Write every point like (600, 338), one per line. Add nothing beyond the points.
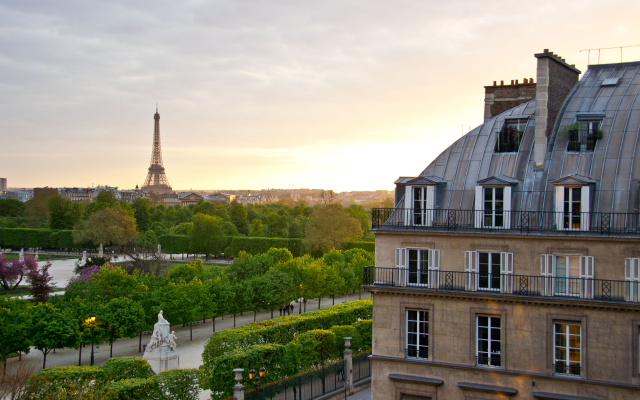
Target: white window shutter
(632, 278)
(430, 205)
(408, 205)
(546, 273)
(559, 207)
(506, 272)
(479, 208)
(470, 267)
(584, 208)
(586, 277)
(507, 207)
(400, 273)
(434, 268)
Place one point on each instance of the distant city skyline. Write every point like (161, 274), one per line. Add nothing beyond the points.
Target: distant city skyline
(336, 95)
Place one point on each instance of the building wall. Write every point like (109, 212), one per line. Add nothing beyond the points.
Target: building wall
(609, 253)
(3, 184)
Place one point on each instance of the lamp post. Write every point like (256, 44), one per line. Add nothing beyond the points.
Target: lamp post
(92, 320)
(257, 379)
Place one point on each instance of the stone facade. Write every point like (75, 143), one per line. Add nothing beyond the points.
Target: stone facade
(609, 331)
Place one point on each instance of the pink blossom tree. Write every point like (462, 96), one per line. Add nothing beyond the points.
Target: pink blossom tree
(13, 271)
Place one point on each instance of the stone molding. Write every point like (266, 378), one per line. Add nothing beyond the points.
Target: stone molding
(487, 388)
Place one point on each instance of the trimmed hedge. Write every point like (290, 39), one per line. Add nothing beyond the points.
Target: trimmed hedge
(127, 368)
(368, 246)
(365, 330)
(174, 244)
(64, 382)
(343, 331)
(259, 245)
(133, 389)
(279, 331)
(180, 384)
(23, 237)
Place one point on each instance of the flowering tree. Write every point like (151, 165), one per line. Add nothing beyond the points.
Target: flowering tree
(12, 272)
(40, 281)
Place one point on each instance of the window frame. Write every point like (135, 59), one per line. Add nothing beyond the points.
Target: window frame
(489, 340)
(502, 134)
(576, 318)
(490, 278)
(418, 333)
(493, 212)
(419, 271)
(582, 142)
(567, 348)
(570, 281)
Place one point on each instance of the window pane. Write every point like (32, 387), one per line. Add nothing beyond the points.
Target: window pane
(495, 334)
(574, 329)
(574, 355)
(412, 315)
(424, 340)
(483, 321)
(424, 316)
(483, 346)
(424, 327)
(412, 338)
(561, 340)
(561, 267)
(483, 333)
(412, 326)
(495, 322)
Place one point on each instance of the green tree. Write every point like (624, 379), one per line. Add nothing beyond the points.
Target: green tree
(122, 317)
(359, 213)
(229, 229)
(107, 197)
(179, 301)
(141, 212)
(15, 334)
(206, 236)
(331, 226)
(113, 282)
(240, 296)
(63, 213)
(186, 272)
(182, 229)
(183, 215)
(277, 224)
(11, 208)
(256, 228)
(109, 226)
(238, 215)
(52, 328)
(279, 289)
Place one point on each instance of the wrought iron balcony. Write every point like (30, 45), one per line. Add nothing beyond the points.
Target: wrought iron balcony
(521, 222)
(505, 284)
(416, 352)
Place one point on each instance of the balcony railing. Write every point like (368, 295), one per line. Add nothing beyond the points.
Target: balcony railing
(415, 352)
(506, 284)
(581, 140)
(494, 360)
(564, 369)
(513, 221)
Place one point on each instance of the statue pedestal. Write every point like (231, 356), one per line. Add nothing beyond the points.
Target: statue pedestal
(162, 358)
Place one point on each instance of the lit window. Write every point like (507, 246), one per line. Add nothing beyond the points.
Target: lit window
(417, 334)
(489, 345)
(572, 208)
(567, 349)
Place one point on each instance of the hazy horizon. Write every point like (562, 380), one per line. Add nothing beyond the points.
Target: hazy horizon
(337, 95)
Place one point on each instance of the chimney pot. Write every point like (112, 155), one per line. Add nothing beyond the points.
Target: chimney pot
(525, 80)
(512, 81)
(546, 51)
(516, 81)
(501, 83)
(494, 83)
(530, 80)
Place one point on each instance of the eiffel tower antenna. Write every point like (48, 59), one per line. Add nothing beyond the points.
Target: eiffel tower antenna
(156, 181)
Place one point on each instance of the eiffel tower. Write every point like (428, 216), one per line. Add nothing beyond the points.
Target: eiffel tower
(156, 181)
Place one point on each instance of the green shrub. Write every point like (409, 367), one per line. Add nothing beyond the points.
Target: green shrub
(133, 389)
(279, 331)
(180, 384)
(276, 358)
(317, 347)
(365, 329)
(343, 331)
(65, 382)
(24, 237)
(174, 244)
(260, 245)
(368, 246)
(127, 368)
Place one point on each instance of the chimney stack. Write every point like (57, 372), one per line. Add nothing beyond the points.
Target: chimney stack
(556, 79)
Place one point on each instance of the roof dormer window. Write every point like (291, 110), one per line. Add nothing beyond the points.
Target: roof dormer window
(510, 136)
(493, 202)
(583, 135)
(573, 202)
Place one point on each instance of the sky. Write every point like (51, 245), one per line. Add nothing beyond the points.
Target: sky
(252, 94)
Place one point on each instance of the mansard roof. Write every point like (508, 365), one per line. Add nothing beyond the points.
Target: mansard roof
(497, 180)
(573, 180)
(613, 167)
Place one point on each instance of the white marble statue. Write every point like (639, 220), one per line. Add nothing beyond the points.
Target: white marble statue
(101, 253)
(36, 256)
(161, 352)
(21, 255)
(172, 340)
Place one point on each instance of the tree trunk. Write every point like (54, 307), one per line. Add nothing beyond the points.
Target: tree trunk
(44, 361)
(319, 299)
(80, 356)
(4, 369)
(214, 323)
(234, 320)
(359, 295)
(333, 297)
(271, 314)
(191, 330)
(254, 316)
(305, 305)
(140, 343)
(204, 318)
(111, 351)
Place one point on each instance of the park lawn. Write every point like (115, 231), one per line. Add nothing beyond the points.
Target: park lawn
(42, 257)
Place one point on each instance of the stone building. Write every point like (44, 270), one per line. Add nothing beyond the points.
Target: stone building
(510, 267)
(500, 98)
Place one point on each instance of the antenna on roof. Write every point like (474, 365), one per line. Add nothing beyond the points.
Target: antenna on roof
(606, 48)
